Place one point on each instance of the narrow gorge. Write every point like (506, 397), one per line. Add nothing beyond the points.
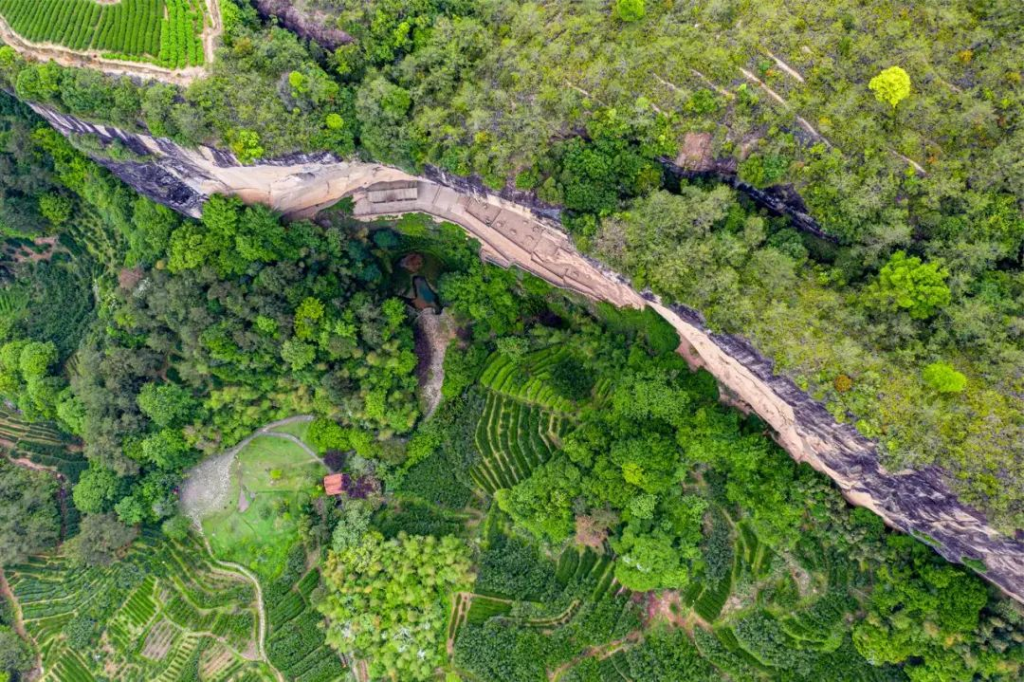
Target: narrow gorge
(514, 234)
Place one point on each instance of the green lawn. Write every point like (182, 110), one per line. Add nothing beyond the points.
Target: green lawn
(299, 430)
(276, 478)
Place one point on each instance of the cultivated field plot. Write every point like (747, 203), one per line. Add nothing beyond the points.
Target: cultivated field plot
(514, 438)
(523, 419)
(586, 581)
(166, 613)
(271, 480)
(163, 32)
(296, 644)
(40, 442)
(527, 379)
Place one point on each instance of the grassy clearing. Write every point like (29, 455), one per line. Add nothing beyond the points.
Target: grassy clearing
(297, 429)
(271, 480)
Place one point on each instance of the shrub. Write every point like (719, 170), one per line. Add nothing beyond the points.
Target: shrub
(944, 378)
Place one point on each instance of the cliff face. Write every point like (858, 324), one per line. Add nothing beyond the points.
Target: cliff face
(527, 236)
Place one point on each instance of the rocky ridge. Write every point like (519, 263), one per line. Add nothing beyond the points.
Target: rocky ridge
(512, 232)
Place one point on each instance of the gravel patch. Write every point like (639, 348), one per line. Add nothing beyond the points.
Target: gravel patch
(208, 485)
(438, 331)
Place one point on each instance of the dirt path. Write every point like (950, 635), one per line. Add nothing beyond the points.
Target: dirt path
(600, 652)
(209, 483)
(19, 626)
(261, 608)
(34, 466)
(116, 67)
(438, 331)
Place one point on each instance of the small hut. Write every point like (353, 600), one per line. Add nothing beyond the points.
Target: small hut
(336, 484)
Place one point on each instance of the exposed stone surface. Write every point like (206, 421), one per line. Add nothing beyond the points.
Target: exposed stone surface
(316, 25)
(513, 234)
(696, 153)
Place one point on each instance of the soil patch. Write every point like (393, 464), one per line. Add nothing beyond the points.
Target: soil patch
(435, 332)
(208, 486)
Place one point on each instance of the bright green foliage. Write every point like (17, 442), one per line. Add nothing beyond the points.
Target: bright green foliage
(307, 318)
(246, 146)
(543, 503)
(891, 86)
(650, 561)
(167, 404)
(36, 358)
(230, 238)
(630, 10)
(387, 601)
(176, 528)
(907, 284)
(918, 609)
(56, 208)
(944, 378)
(95, 490)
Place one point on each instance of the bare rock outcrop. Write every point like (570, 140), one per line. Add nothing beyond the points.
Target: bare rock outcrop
(316, 25)
(529, 237)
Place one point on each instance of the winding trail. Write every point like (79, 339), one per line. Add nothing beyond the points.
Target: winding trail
(19, 624)
(267, 430)
(261, 607)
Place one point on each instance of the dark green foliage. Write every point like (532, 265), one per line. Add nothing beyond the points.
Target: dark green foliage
(29, 520)
(571, 379)
(432, 480)
(100, 541)
(61, 306)
(512, 567)
(416, 518)
(15, 653)
(495, 652)
(668, 656)
(718, 551)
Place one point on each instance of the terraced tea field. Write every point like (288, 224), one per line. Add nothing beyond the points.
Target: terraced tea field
(296, 644)
(523, 419)
(163, 32)
(514, 438)
(40, 442)
(528, 379)
(166, 613)
(585, 573)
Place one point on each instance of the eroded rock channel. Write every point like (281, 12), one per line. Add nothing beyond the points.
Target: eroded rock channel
(514, 234)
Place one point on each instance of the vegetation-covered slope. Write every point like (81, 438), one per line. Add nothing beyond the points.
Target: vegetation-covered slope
(904, 319)
(581, 506)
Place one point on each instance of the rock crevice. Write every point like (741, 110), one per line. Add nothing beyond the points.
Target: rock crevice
(515, 231)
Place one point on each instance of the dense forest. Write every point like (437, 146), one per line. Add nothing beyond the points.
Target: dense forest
(579, 506)
(915, 185)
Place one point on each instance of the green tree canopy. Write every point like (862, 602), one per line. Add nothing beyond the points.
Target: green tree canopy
(100, 540)
(29, 518)
(387, 601)
(905, 283)
(891, 86)
(944, 378)
(630, 10)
